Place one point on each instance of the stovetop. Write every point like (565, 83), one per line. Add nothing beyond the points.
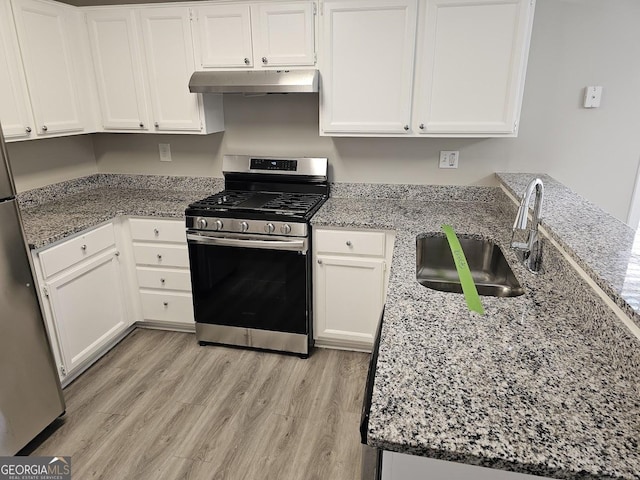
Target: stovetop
(261, 204)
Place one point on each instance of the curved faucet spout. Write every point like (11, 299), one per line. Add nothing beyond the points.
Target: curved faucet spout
(529, 251)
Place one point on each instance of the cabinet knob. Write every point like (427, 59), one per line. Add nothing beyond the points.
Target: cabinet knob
(83, 247)
(264, 60)
(117, 254)
(320, 261)
(162, 281)
(156, 124)
(159, 257)
(166, 304)
(421, 126)
(406, 127)
(44, 128)
(156, 232)
(247, 61)
(141, 125)
(348, 243)
(28, 129)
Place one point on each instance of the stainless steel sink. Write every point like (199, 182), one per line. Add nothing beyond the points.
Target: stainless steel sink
(489, 269)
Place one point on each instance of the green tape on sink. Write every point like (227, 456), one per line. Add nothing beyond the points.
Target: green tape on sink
(466, 280)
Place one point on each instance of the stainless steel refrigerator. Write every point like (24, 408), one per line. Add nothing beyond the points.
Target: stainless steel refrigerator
(30, 393)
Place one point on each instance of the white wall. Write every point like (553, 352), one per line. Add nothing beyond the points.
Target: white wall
(36, 163)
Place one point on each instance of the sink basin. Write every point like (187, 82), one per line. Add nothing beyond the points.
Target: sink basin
(489, 269)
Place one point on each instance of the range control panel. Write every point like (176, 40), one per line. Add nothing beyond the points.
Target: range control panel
(273, 164)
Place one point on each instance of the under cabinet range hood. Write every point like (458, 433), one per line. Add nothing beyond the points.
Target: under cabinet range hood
(255, 81)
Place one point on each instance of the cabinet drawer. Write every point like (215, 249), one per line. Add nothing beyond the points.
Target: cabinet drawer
(350, 242)
(149, 229)
(161, 255)
(62, 256)
(167, 307)
(150, 277)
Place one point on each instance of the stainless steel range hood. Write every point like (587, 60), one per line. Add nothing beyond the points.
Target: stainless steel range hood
(255, 81)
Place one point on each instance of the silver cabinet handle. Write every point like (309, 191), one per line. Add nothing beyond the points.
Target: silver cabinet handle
(162, 281)
(156, 232)
(348, 243)
(44, 128)
(141, 125)
(320, 261)
(117, 254)
(156, 124)
(28, 129)
(406, 127)
(159, 257)
(83, 247)
(247, 61)
(264, 60)
(421, 126)
(166, 304)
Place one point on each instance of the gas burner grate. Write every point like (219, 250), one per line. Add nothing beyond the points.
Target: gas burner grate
(275, 202)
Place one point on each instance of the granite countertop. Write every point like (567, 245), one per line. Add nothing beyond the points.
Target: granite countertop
(49, 215)
(547, 383)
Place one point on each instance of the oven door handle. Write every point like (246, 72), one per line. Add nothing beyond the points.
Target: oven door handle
(298, 245)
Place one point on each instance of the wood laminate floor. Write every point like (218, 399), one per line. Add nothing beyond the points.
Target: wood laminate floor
(158, 406)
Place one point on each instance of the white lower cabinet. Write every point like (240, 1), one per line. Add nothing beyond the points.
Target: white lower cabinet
(350, 277)
(162, 273)
(85, 299)
(400, 466)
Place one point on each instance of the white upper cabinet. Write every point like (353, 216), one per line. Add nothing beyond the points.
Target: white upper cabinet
(367, 64)
(48, 33)
(170, 63)
(474, 60)
(223, 36)
(15, 108)
(468, 77)
(259, 35)
(118, 68)
(284, 34)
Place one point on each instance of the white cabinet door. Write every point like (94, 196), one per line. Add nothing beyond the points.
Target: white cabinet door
(118, 67)
(170, 63)
(88, 307)
(47, 32)
(349, 296)
(15, 107)
(367, 65)
(284, 34)
(223, 36)
(475, 54)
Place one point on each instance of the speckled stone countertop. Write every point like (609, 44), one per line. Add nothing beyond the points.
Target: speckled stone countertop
(607, 249)
(58, 211)
(547, 383)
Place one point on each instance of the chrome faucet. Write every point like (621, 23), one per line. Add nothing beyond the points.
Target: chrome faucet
(530, 251)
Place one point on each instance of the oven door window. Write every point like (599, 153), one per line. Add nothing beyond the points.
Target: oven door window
(253, 288)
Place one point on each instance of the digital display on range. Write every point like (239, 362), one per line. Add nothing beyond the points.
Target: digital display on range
(269, 164)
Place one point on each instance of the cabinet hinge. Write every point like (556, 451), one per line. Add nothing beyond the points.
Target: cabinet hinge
(45, 291)
(63, 370)
(315, 57)
(515, 126)
(315, 9)
(191, 16)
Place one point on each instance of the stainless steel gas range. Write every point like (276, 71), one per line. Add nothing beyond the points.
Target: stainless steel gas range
(249, 252)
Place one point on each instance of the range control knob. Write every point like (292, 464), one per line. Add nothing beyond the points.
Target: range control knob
(269, 228)
(244, 226)
(202, 223)
(218, 225)
(286, 229)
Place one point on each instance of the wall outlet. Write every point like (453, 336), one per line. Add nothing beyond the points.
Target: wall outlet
(592, 97)
(449, 159)
(165, 152)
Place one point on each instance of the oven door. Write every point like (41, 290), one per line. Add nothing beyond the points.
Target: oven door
(250, 281)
